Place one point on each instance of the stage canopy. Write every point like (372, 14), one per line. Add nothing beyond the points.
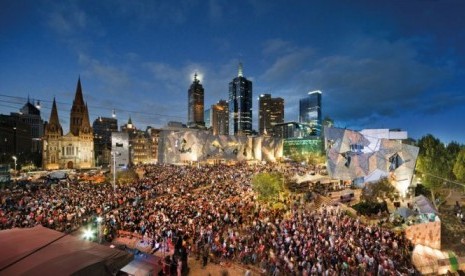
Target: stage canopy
(42, 251)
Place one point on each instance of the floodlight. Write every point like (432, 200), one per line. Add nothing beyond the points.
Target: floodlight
(88, 234)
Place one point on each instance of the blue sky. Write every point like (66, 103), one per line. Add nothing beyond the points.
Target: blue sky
(379, 64)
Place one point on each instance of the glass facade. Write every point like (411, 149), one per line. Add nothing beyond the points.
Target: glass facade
(310, 111)
(292, 147)
(270, 112)
(240, 106)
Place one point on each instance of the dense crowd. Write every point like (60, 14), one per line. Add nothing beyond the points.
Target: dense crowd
(212, 212)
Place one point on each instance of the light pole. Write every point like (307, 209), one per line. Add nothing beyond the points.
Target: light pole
(15, 158)
(99, 226)
(114, 154)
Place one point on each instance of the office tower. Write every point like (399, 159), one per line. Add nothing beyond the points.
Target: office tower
(195, 105)
(30, 114)
(103, 127)
(240, 105)
(207, 116)
(15, 139)
(219, 118)
(310, 111)
(270, 112)
(75, 149)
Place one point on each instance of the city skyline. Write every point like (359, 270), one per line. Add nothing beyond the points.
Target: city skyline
(378, 64)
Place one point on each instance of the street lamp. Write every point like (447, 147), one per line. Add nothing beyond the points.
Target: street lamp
(15, 158)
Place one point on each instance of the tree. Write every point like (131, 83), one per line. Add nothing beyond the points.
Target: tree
(381, 189)
(328, 122)
(268, 185)
(459, 166)
(452, 151)
(432, 163)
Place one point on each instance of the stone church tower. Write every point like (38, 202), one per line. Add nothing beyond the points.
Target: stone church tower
(74, 150)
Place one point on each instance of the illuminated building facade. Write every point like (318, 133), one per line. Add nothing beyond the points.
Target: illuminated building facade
(369, 155)
(75, 149)
(290, 130)
(192, 145)
(220, 118)
(195, 105)
(103, 127)
(240, 105)
(310, 111)
(270, 113)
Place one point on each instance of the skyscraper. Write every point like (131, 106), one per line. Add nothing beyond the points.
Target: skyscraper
(207, 116)
(195, 105)
(270, 112)
(310, 111)
(103, 127)
(219, 118)
(240, 105)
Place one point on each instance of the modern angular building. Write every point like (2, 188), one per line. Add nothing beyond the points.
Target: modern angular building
(75, 149)
(369, 155)
(195, 105)
(270, 113)
(189, 146)
(310, 111)
(103, 127)
(240, 105)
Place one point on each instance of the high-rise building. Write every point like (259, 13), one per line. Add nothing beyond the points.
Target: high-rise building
(15, 140)
(195, 105)
(220, 118)
(270, 112)
(310, 111)
(207, 116)
(30, 114)
(103, 127)
(240, 105)
(75, 149)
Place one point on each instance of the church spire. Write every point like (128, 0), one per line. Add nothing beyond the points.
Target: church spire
(54, 123)
(78, 111)
(85, 127)
(54, 114)
(78, 98)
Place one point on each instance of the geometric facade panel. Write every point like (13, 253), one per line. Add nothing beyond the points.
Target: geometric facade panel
(181, 146)
(352, 155)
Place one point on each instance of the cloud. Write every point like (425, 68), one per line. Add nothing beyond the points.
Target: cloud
(146, 13)
(67, 19)
(112, 76)
(286, 65)
(277, 46)
(372, 80)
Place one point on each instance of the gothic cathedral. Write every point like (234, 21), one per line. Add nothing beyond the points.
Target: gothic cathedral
(74, 150)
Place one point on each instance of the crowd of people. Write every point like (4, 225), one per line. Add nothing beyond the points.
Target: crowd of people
(212, 212)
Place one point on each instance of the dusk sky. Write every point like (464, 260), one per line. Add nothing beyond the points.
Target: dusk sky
(379, 64)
